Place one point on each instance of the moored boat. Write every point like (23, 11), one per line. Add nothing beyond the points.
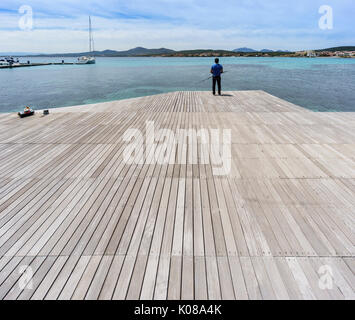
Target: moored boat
(9, 61)
(3, 62)
(88, 59)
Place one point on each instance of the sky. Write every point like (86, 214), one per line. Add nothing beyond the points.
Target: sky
(61, 26)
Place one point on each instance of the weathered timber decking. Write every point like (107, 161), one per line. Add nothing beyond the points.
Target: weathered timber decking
(92, 227)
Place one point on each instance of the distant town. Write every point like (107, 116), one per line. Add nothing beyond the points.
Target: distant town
(341, 52)
(306, 53)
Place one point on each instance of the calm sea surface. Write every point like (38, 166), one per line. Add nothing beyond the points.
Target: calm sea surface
(323, 84)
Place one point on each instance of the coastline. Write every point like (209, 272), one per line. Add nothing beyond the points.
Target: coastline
(187, 56)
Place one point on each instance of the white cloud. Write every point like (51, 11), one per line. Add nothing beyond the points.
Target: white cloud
(185, 24)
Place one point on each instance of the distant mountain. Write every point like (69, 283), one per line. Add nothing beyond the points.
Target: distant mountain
(249, 50)
(244, 50)
(105, 52)
(136, 52)
(350, 48)
(139, 51)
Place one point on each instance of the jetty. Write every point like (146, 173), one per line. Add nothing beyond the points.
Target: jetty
(26, 65)
(77, 221)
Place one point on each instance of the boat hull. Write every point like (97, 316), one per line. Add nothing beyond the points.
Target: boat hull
(86, 61)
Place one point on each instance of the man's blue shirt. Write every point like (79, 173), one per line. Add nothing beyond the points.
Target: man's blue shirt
(217, 69)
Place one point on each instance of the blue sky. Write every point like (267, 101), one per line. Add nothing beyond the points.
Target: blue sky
(61, 26)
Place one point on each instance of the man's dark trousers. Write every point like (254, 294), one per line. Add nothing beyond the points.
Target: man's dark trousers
(218, 81)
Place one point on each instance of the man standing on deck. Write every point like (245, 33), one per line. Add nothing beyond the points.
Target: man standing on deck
(216, 71)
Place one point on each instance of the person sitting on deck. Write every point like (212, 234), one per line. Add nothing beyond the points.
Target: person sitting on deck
(217, 70)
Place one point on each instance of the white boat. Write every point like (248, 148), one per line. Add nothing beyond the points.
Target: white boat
(88, 59)
(4, 62)
(9, 61)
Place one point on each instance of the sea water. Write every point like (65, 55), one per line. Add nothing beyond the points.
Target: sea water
(320, 84)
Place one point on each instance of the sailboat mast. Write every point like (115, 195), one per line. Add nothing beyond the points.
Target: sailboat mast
(89, 59)
(90, 37)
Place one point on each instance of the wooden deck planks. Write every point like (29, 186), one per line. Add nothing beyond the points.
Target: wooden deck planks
(87, 225)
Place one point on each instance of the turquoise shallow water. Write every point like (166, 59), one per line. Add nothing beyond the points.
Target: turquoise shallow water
(322, 84)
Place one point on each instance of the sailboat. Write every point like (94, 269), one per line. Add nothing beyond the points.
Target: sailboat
(89, 60)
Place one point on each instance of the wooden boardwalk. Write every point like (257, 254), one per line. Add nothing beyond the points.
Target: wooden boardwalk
(83, 224)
